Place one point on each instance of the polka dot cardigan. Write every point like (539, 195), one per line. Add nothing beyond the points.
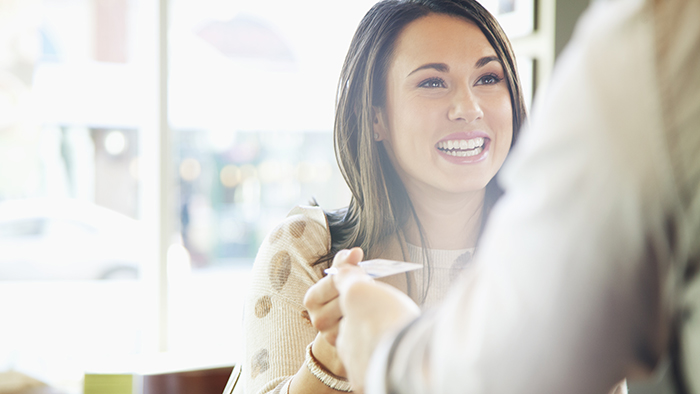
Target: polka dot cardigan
(277, 326)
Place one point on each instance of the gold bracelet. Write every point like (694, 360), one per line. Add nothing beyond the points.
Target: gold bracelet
(325, 376)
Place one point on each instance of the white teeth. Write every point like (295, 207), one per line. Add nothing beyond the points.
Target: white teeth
(461, 144)
(465, 153)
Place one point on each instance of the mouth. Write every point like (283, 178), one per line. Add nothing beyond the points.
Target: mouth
(462, 147)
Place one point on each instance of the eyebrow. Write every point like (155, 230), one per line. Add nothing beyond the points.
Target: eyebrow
(442, 67)
(486, 60)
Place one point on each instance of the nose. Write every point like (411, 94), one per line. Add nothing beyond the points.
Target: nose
(465, 106)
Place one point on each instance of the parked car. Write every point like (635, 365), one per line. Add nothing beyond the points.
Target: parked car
(64, 239)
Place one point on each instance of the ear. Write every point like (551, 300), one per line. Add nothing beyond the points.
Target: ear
(380, 130)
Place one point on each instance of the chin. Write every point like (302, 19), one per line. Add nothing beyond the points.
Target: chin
(468, 188)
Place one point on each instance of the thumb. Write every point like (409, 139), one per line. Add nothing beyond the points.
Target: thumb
(348, 257)
(348, 271)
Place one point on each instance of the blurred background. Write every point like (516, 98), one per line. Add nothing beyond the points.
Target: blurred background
(146, 149)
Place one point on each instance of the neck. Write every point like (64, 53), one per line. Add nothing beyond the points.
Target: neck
(449, 221)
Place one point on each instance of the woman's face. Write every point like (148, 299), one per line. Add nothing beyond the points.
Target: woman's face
(447, 122)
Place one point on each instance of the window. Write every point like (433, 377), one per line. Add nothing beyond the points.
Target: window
(249, 105)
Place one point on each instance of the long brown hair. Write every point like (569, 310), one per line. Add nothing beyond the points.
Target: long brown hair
(380, 205)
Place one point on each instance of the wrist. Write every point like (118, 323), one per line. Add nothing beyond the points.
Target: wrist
(327, 355)
(325, 376)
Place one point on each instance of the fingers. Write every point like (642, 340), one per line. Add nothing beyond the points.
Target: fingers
(348, 257)
(321, 300)
(326, 317)
(324, 290)
(321, 293)
(347, 269)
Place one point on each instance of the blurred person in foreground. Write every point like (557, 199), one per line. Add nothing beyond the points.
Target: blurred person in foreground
(588, 267)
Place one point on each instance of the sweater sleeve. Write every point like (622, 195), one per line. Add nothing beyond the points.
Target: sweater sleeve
(277, 326)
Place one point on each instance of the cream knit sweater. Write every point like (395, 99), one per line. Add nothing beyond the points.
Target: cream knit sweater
(277, 326)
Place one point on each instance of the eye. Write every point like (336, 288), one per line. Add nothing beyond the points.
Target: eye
(489, 79)
(432, 83)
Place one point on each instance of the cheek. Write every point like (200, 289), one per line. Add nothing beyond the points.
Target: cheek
(502, 121)
(405, 122)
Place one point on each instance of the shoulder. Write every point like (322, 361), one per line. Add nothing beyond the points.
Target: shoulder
(298, 241)
(302, 225)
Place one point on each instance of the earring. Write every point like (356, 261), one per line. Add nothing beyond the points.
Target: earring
(376, 136)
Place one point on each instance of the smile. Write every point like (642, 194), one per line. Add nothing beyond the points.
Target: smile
(462, 148)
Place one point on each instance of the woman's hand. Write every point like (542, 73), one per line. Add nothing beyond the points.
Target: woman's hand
(371, 310)
(321, 300)
(322, 303)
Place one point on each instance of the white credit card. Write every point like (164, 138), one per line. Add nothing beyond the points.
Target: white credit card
(379, 268)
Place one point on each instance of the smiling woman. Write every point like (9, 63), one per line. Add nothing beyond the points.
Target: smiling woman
(428, 107)
(446, 126)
